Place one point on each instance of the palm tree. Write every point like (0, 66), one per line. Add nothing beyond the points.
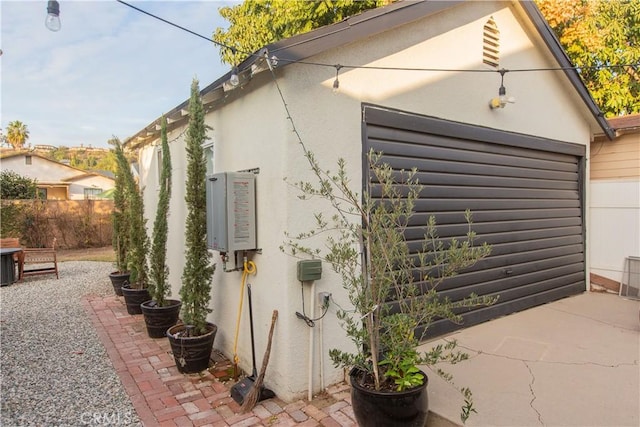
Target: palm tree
(17, 134)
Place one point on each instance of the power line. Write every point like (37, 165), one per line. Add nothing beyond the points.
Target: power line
(370, 67)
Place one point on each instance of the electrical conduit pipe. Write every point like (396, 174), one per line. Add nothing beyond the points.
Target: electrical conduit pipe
(249, 268)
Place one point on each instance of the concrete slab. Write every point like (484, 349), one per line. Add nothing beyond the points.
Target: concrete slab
(573, 362)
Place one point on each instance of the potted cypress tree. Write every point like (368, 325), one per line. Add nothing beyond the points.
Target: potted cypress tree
(119, 219)
(392, 287)
(135, 291)
(192, 341)
(160, 313)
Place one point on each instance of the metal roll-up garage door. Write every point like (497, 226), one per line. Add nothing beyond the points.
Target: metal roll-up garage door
(525, 194)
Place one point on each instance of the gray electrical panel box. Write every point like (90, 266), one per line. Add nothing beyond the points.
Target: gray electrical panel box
(231, 211)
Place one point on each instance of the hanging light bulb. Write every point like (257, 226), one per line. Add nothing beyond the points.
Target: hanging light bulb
(336, 82)
(234, 79)
(501, 100)
(52, 22)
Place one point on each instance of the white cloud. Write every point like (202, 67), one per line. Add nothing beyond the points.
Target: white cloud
(109, 70)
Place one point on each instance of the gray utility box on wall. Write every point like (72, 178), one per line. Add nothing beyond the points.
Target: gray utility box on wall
(231, 211)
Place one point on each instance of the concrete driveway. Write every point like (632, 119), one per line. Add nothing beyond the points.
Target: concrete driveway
(573, 362)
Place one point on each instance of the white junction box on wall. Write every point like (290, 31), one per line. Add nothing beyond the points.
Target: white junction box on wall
(231, 211)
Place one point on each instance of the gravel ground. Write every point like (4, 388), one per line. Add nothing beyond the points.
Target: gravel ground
(55, 371)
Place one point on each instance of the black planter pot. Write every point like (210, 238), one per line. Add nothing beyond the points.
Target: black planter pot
(158, 319)
(192, 354)
(388, 408)
(118, 279)
(134, 297)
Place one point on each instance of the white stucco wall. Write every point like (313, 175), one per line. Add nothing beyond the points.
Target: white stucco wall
(615, 226)
(253, 132)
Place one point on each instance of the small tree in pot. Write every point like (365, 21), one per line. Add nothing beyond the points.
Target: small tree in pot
(135, 291)
(120, 219)
(197, 274)
(392, 287)
(160, 313)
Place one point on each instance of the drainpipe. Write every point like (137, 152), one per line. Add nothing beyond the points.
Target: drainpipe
(320, 355)
(311, 338)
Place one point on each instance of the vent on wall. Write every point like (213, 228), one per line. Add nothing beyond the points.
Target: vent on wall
(491, 44)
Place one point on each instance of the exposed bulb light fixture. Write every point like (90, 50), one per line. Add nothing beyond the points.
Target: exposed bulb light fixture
(52, 22)
(336, 82)
(501, 100)
(234, 79)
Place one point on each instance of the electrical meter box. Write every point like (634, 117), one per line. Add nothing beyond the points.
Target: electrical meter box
(231, 211)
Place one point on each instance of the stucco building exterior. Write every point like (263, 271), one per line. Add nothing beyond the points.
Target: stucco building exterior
(415, 81)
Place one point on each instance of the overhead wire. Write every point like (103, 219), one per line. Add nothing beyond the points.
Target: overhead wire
(373, 67)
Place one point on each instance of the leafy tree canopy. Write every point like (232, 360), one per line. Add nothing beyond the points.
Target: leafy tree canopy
(593, 32)
(256, 23)
(596, 33)
(17, 187)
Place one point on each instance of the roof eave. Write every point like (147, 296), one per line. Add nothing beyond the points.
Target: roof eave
(303, 46)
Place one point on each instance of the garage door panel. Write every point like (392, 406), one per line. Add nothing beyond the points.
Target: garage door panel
(488, 228)
(506, 295)
(479, 217)
(464, 192)
(395, 139)
(495, 280)
(477, 169)
(476, 204)
(385, 118)
(462, 179)
(473, 157)
(524, 192)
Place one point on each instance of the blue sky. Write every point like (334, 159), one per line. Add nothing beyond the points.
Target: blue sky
(109, 71)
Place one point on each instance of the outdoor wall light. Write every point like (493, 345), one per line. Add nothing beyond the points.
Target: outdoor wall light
(52, 22)
(501, 100)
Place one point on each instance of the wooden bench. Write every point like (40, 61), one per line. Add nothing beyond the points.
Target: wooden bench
(43, 259)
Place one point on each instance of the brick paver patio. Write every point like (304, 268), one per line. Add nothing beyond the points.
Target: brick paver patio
(162, 396)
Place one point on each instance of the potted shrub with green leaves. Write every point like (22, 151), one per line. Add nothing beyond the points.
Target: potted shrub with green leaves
(192, 341)
(135, 291)
(119, 219)
(392, 288)
(160, 313)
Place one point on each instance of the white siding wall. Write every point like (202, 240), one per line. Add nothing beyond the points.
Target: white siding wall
(77, 187)
(615, 226)
(40, 169)
(253, 131)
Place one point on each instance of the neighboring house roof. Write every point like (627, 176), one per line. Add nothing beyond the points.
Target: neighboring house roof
(85, 176)
(81, 172)
(355, 28)
(626, 124)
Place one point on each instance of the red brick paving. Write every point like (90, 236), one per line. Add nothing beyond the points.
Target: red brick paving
(163, 397)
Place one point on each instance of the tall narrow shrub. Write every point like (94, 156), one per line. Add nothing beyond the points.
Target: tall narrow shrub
(197, 274)
(119, 219)
(139, 241)
(130, 235)
(159, 288)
